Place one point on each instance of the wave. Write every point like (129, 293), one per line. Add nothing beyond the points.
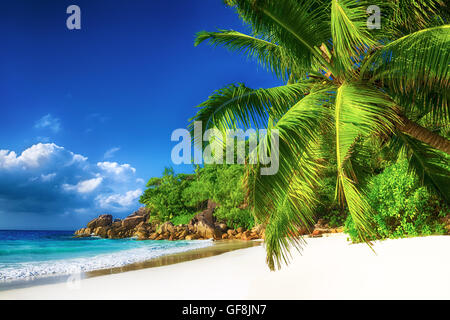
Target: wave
(37, 269)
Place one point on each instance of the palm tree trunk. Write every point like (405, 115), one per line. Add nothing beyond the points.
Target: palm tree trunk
(423, 134)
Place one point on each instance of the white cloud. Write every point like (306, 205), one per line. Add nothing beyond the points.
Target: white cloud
(110, 153)
(48, 122)
(47, 179)
(85, 186)
(122, 200)
(32, 157)
(115, 168)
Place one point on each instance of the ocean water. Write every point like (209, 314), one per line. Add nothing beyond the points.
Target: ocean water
(27, 255)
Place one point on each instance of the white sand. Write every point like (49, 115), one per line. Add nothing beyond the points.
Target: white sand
(329, 268)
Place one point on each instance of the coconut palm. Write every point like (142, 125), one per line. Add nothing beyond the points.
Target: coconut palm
(361, 85)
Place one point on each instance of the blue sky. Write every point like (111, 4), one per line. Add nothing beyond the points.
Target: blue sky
(86, 115)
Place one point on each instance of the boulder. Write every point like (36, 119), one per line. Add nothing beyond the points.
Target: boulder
(132, 221)
(136, 218)
(205, 216)
(203, 224)
(240, 230)
(101, 232)
(192, 237)
(246, 235)
(183, 234)
(153, 236)
(79, 232)
(141, 235)
(231, 232)
(116, 224)
(259, 229)
(111, 234)
(104, 220)
(81, 236)
(142, 212)
(167, 227)
(221, 226)
(208, 231)
(317, 233)
(211, 205)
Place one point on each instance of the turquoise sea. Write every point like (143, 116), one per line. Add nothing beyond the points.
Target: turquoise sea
(26, 255)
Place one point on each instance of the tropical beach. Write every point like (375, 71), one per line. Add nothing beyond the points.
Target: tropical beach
(327, 268)
(236, 149)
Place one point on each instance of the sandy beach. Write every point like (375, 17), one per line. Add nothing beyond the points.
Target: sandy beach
(327, 268)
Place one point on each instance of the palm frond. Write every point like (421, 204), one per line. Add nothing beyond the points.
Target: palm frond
(285, 201)
(351, 37)
(403, 17)
(300, 26)
(270, 55)
(413, 63)
(430, 166)
(359, 112)
(239, 105)
(433, 103)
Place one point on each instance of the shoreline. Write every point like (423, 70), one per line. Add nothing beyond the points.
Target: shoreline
(217, 247)
(327, 268)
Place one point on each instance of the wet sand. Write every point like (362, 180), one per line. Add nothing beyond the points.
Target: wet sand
(327, 268)
(218, 247)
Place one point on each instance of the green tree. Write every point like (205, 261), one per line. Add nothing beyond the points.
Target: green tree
(163, 195)
(343, 79)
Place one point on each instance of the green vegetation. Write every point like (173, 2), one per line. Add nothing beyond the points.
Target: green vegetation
(402, 206)
(178, 197)
(182, 219)
(347, 87)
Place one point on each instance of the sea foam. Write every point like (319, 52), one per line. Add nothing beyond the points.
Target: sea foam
(37, 269)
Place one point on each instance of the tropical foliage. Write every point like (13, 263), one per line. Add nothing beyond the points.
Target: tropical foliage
(403, 207)
(178, 197)
(362, 87)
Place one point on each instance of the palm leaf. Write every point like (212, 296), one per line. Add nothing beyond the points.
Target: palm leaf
(299, 26)
(403, 17)
(285, 201)
(430, 166)
(270, 55)
(413, 63)
(359, 112)
(236, 105)
(351, 37)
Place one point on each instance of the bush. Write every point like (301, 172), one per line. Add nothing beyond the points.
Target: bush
(402, 207)
(235, 217)
(177, 197)
(182, 219)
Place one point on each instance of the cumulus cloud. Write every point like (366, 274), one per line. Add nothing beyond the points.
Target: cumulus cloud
(116, 169)
(110, 153)
(119, 200)
(47, 179)
(85, 186)
(48, 122)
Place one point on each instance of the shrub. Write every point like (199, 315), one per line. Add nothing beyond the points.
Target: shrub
(182, 219)
(402, 207)
(235, 217)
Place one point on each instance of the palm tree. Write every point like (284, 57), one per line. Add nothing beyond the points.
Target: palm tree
(359, 85)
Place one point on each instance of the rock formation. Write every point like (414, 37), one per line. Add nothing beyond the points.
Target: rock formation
(202, 226)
